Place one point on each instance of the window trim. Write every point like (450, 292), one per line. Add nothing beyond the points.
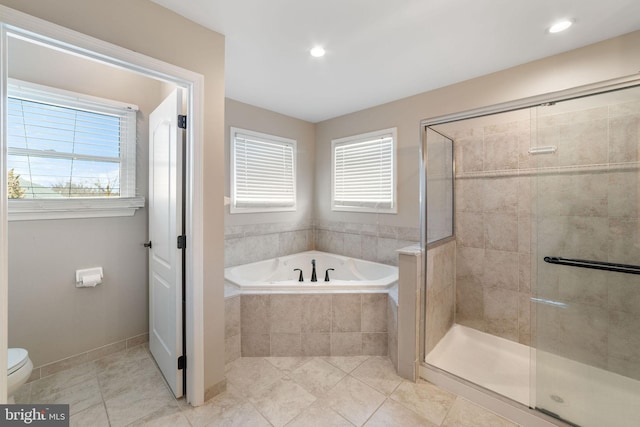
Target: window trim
(390, 132)
(81, 207)
(233, 209)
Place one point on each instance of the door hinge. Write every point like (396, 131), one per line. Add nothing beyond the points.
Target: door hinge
(182, 121)
(182, 362)
(182, 242)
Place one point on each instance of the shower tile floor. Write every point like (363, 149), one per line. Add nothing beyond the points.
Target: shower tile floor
(127, 389)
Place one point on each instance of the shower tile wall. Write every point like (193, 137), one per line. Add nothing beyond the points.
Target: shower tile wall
(591, 213)
(493, 227)
(440, 292)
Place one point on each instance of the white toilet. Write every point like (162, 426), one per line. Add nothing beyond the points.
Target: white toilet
(19, 370)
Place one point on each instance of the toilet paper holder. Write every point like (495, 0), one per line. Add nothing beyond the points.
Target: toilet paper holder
(89, 277)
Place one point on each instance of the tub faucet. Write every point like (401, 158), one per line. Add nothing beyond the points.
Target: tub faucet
(313, 271)
(326, 274)
(300, 279)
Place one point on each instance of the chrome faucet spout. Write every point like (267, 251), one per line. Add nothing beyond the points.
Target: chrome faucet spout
(313, 271)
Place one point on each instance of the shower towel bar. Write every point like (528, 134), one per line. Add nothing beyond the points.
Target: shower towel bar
(596, 265)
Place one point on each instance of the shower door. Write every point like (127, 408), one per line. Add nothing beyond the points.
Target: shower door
(586, 298)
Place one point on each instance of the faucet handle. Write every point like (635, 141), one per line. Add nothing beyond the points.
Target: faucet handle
(326, 274)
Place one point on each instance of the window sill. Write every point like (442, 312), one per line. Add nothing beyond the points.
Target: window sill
(44, 209)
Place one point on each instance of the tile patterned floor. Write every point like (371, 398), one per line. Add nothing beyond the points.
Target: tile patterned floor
(126, 389)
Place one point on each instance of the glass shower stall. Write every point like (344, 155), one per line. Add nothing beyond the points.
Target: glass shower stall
(532, 236)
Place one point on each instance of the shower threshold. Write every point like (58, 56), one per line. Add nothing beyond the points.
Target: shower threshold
(489, 361)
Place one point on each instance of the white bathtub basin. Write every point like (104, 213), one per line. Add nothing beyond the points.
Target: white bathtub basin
(277, 275)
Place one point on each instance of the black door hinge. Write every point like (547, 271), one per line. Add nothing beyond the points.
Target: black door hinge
(182, 121)
(182, 362)
(182, 242)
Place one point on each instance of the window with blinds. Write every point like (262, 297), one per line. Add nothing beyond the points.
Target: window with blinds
(263, 172)
(63, 145)
(363, 172)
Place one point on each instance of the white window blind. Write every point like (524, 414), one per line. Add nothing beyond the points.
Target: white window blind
(364, 172)
(263, 173)
(63, 145)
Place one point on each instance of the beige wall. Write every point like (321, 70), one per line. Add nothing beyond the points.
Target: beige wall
(145, 27)
(83, 318)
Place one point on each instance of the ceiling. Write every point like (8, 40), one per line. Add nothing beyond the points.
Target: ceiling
(382, 50)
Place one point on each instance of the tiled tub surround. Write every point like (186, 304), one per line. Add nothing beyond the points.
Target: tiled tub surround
(307, 325)
(245, 244)
(270, 313)
(372, 242)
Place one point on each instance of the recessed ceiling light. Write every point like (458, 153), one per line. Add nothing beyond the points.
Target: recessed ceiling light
(317, 52)
(560, 26)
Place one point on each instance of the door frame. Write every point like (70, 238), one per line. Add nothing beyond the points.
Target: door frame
(35, 29)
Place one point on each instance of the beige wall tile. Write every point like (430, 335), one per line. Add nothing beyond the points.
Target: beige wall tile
(232, 348)
(524, 273)
(624, 292)
(624, 138)
(624, 336)
(623, 194)
(469, 229)
(232, 316)
(285, 313)
(346, 312)
(500, 270)
(469, 194)
(440, 315)
(374, 313)
(623, 241)
(283, 344)
(346, 344)
(470, 303)
(469, 262)
(316, 344)
(469, 154)
(375, 343)
(255, 345)
(501, 231)
(501, 312)
(501, 151)
(254, 314)
(577, 194)
(501, 195)
(316, 313)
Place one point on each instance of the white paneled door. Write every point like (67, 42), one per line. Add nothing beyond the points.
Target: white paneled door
(165, 225)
